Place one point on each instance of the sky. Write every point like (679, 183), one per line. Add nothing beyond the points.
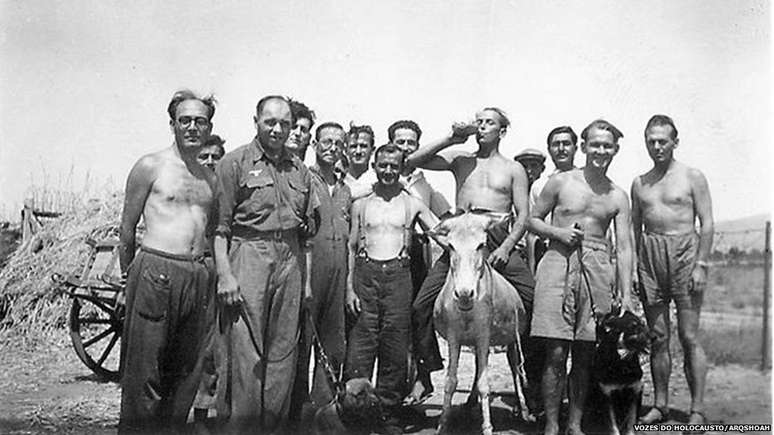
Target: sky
(84, 85)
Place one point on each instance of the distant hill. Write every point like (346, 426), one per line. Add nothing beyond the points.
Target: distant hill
(745, 234)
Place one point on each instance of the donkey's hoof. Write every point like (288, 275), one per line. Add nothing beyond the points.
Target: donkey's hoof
(526, 417)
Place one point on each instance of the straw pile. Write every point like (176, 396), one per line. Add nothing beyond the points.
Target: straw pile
(30, 304)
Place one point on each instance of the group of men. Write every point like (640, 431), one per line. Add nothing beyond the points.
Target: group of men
(333, 252)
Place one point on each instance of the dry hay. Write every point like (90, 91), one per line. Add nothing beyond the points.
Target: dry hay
(69, 414)
(31, 306)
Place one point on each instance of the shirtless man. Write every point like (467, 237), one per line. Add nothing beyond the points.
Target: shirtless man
(167, 282)
(406, 134)
(575, 278)
(562, 144)
(485, 180)
(379, 280)
(360, 145)
(672, 261)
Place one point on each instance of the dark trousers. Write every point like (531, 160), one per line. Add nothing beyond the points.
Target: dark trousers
(329, 283)
(382, 328)
(168, 306)
(515, 271)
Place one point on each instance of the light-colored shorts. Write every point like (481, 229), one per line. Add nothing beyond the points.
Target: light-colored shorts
(664, 267)
(563, 309)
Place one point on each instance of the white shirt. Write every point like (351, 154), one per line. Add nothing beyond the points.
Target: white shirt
(362, 186)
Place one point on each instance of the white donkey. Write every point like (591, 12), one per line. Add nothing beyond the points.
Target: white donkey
(479, 308)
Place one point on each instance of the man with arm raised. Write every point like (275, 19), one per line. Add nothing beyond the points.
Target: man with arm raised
(485, 180)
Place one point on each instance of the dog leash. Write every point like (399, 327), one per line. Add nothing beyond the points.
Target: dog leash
(333, 381)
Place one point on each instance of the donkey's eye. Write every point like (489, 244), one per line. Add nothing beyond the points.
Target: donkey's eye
(481, 246)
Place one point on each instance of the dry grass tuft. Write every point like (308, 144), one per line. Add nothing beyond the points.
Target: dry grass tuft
(30, 305)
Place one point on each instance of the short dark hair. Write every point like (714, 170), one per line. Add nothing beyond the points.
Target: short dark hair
(661, 120)
(503, 116)
(405, 123)
(187, 94)
(262, 102)
(300, 110)
(601, 124)
(390, 148)
(216, 141)
(355, 130)
(562, 129)
(325, 125)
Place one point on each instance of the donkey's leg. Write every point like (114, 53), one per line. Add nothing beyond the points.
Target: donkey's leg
(516, 363)
(482, 382)
(473, 397)
(451, 383)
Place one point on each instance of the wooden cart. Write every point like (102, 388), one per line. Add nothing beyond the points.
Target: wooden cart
(97, 313)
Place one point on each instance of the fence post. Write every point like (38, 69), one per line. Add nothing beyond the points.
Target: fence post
(766, 336)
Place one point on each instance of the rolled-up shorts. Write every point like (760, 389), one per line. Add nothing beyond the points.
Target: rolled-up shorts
(563, 309)
(664, 267)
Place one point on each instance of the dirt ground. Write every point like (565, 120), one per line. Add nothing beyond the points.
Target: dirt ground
(49, 390)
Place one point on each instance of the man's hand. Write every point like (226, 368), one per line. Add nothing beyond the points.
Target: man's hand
(499, 257)
(698, 279)
(569, 236)
(353, 302)
(462, 130)
(228, 290)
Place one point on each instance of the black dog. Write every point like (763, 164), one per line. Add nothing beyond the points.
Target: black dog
(616, 370)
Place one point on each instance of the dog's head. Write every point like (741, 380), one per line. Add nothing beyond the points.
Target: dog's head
(360, 405)
(627, 333)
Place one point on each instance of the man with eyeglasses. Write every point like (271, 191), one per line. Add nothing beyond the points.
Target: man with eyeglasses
(168, 302)
(329, 269)
(266, 214)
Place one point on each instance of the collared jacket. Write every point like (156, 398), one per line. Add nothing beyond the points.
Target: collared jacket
(256, 193)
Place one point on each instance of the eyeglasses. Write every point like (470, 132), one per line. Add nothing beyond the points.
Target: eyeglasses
(200, 121)
(329, 143)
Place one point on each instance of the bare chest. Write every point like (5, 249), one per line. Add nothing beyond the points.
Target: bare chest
(481, 176)
(380, 215)
(179, 187)
(581, 200)
(670, 191)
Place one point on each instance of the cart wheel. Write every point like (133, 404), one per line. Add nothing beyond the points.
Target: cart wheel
(95, 330)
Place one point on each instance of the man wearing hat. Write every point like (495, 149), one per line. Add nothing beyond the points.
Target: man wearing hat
(533, 161)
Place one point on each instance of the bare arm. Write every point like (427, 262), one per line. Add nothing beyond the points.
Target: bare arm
(352, 301)
(636, 233)
(702, 204)
(138, 187)
(546, 202)
(624, 247)
(636, 212)
(427, 218)
(520, 205)
(427, 157)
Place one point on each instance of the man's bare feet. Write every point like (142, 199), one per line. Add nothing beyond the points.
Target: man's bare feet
(656, 415)
(419, 393)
